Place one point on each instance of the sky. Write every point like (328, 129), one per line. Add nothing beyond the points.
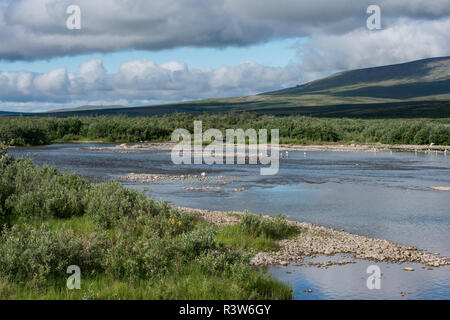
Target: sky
(140, 52)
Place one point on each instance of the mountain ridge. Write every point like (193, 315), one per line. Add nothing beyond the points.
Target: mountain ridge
(346, 83)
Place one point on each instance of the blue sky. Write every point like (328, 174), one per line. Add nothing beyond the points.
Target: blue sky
(276, 53)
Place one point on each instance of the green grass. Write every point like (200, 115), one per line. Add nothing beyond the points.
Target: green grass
(189, 283)
(80, 225)
(236, 236)
(257, 233)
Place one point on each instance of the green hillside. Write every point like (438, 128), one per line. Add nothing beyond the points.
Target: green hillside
(420, 78)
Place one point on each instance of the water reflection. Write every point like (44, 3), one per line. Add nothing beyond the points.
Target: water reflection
(349, 281)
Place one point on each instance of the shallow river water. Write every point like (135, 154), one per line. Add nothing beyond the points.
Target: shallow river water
(381, 195)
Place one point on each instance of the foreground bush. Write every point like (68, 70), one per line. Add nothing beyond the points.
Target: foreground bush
(148, 256)
(26, 190)
(109, 202)
(36, 255)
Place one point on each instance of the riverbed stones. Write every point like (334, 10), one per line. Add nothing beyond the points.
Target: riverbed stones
(154, 178)
(315, 241)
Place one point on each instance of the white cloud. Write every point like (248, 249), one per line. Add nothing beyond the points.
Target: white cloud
(405, 40)
(137, 82)
(36, 29)
(55, 80)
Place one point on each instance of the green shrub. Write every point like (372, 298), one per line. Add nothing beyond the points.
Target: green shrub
(168, 223)
(222, 261)
(293, 129)
(29, 191)
(145, 257)
(23, 131)
(439, 135)
(193, 244)
(110, 202)
(38, 254)
(3, 149)
(276, 228)
(422, 136)
(45, 192)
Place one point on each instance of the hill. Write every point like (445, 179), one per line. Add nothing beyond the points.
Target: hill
(8, 113)
(417, 89)
(88, 108)
(420, 78)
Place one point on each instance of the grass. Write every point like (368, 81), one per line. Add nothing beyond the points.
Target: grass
(237, 236)
(80, 225)
(256, 233)
(190, 284)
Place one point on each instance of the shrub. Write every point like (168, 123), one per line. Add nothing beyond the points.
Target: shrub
(440, 135)
(293, 129)
(37, 254)
(145, 257)
(193, 244)
(222, 261)
(2, 150)
(109, 202)
(168, 223)
(22, 131)
(42, 192)
(272, 228)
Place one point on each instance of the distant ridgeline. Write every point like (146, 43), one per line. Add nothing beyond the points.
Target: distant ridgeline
(418, 89)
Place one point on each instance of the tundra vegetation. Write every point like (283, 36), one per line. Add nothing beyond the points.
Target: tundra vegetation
(22, 131)
(127, 245)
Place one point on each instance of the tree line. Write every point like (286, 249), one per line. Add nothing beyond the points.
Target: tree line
(22, 131)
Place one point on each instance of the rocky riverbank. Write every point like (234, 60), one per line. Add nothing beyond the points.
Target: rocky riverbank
(354, 147)
(315, 241)
(375, 147)
(154, 178)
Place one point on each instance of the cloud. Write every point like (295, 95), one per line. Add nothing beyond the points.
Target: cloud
(137, 82)
(36, 29)
(405, 40)
(337, 40)
(140, 82)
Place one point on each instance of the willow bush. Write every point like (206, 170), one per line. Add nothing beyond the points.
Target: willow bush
(293, 129)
